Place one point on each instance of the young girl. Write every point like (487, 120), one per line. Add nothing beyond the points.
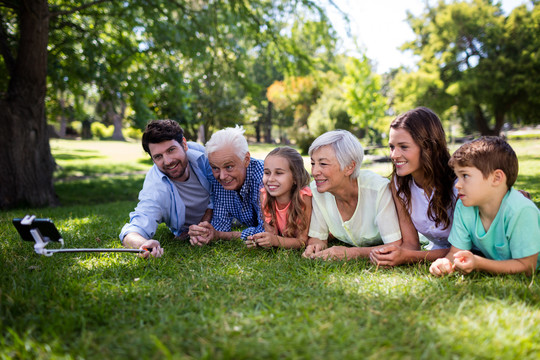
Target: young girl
(285, 201)
(423, 186)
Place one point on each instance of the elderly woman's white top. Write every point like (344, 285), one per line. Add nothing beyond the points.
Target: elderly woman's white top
(374, 221)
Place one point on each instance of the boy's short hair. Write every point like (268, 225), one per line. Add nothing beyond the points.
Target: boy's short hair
(161, 130)
(487, 154)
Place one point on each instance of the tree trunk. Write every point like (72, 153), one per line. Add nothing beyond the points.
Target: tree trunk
(258, 128)
(482, 122)
(499, 121)
(200, 135)
(268, 125)
(26, 162)
(63, 118)
(117, 122)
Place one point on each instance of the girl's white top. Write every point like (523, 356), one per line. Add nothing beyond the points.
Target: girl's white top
(436, 236)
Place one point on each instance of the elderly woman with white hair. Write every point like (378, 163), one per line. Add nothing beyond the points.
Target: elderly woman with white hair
(235, 185)
(352, 205)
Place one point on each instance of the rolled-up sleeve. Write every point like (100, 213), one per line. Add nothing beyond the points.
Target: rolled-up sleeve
(154, 207)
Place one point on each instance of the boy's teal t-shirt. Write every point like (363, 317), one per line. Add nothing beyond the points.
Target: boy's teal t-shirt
(514, 233)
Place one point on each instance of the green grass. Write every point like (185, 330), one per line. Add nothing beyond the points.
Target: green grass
(224, 301)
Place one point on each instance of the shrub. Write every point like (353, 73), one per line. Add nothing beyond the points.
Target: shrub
(101, 131)
(132, 133)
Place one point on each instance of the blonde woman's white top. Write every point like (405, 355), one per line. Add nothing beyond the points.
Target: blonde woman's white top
(374, 221)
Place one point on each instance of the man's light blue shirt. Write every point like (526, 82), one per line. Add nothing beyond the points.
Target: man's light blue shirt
(159, 201)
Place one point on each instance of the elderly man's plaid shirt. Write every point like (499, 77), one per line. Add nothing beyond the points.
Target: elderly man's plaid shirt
(243, 205)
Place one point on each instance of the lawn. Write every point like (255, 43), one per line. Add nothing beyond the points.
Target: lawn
(224, 301)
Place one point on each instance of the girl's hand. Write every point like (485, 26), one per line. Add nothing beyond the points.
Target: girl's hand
(442, 266)
(464, 261)
(265, 239)
(250, 243)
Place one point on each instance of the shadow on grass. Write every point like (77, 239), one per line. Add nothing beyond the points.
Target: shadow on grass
(528, 183)
(65, 156)
(99, 190)
(145, 161)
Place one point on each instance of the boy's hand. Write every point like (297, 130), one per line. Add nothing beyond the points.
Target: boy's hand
(441, 267)
(464, 261)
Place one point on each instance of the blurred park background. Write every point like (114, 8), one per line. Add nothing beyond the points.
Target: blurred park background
(102, 69)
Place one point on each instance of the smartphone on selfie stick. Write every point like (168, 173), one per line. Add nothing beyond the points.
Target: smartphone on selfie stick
(43, 231)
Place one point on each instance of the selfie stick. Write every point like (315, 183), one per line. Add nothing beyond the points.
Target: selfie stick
(42, 241)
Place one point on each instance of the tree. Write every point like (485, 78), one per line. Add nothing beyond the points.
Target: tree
(365, 103)
(116, 47)
(487, 62)
(26, 161)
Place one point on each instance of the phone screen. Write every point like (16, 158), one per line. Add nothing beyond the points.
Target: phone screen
(46, 228)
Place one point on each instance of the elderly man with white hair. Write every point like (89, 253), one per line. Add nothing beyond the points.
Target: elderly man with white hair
(354, 206)
(236, 181)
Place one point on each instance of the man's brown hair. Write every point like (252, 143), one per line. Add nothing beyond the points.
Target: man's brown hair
(487, 154)
(161, 130)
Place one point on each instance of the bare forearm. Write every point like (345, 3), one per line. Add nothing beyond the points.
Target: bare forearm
(290, 243)
(513, 266)
(207, 215)
(412, 256)
(227, 235)
(133, 240)
(358, 252)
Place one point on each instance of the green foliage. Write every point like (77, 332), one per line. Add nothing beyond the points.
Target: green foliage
(185, 60)
(133, 133)
(304, 141)
(365, 102)
(330, 111)
(475, 57)
(101, 131)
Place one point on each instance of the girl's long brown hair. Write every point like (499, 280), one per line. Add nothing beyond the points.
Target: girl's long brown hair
(297, 208)
(426, 129)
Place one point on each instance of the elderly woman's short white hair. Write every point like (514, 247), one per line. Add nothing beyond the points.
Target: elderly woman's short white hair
(346, 146)
(229, 138)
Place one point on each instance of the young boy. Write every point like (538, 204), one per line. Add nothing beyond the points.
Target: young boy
(490, 215)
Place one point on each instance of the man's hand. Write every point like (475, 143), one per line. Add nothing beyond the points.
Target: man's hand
(152, 247)
(390, 255)
(441, 267)
(201, 234)
(134, 240)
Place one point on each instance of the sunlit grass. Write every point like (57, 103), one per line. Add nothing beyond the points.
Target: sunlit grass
(225, 301)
